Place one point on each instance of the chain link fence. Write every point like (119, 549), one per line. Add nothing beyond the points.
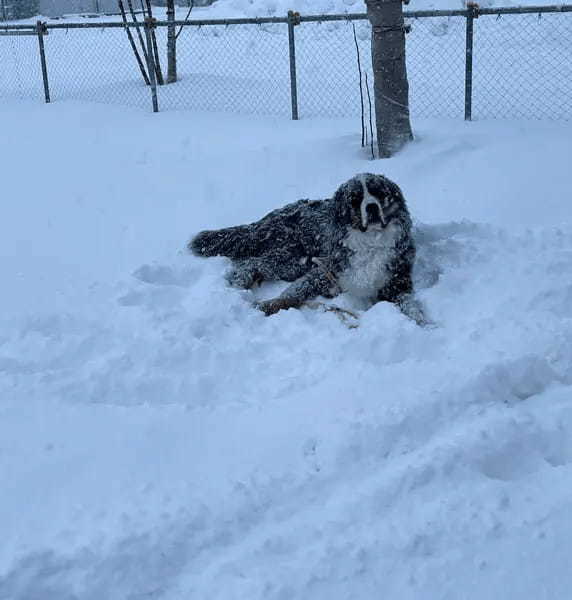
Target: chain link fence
(235, 68)
(523, 66)
(20, 66)
(481, 63)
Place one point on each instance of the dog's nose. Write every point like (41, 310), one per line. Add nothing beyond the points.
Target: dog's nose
(374, 214)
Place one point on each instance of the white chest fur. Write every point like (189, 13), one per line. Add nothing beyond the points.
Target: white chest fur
(370, 253)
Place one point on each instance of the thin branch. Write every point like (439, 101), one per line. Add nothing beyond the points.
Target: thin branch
(360, 87)
(132, 42)
(191, 6)
(370, 119)
(137, 28)
(347, 317)
(158, 70)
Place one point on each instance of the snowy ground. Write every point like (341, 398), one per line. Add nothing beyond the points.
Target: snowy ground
(159, 438)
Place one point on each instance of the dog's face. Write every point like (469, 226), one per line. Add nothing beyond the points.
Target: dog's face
(369, 202)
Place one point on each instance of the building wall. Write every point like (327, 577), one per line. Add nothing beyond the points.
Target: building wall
(56, 8)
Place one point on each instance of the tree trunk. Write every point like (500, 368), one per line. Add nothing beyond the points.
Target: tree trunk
(391, 88)
(171, 43)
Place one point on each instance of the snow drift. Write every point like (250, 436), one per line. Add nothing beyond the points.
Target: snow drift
(161, 438)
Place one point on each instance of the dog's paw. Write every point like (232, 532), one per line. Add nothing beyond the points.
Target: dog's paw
(245, 279)
(271, 307)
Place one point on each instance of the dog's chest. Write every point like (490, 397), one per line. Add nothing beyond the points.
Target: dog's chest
(370, 257)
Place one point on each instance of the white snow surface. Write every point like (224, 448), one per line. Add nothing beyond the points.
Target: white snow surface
(160, 438)
(257, 8)
(225, 9)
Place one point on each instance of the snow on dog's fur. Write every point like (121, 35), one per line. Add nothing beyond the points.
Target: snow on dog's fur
(358, 242)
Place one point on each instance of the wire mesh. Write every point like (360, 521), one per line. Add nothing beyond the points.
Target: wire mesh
(522, 66)
(20, 68)
(235, 68)
(436, 66)
(328, 75)
(96, 65)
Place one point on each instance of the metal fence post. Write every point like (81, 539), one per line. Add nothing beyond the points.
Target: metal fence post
(149, 25)
(293, 20)
(42, 29)
(472, 14)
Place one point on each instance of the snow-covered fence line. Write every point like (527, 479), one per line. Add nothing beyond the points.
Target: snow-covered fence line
(474, 62)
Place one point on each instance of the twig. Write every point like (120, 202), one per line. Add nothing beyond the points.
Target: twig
(344, 315)
(132, 42)
(370, 121)
(191, 6)
(363, 141)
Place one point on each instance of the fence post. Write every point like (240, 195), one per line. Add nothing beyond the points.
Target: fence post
(41, 30)
(472, 14)
(149, 25)
(293, 20)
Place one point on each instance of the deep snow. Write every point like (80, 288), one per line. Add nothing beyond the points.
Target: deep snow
(159, 438)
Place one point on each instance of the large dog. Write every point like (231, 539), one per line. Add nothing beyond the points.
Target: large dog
(358, 242)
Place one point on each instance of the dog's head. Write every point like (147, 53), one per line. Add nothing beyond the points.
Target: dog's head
(369, 201)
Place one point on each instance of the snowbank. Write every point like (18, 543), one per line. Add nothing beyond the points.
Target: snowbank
(252, 8)
(160, 438)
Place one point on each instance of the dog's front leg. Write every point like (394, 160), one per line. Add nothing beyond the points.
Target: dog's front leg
(315, 283)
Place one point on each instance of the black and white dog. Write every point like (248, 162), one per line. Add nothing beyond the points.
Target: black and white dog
(358, 242)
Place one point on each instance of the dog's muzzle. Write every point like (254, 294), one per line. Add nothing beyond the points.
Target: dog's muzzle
(372, 214)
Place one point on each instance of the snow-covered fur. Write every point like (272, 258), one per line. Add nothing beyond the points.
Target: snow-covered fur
(357, 242)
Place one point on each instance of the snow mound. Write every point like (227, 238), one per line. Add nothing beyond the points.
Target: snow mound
(160, 438)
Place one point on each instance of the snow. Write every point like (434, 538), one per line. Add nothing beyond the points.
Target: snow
(257, 8)
(160, 438)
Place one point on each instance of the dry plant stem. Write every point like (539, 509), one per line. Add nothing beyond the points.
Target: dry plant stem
(343, 314)
(363, 136)
(370, 117)
(191, 6)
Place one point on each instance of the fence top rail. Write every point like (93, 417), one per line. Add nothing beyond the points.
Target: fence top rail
(515, 10)
(120, 24)
(522, 10)
(418, 14)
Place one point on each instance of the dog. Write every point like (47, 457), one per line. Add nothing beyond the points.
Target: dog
(358, 242)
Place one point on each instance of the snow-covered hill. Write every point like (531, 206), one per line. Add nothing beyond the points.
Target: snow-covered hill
(160, 438)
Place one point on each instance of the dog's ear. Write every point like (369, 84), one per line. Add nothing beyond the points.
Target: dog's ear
(394, 191)
(342, 203)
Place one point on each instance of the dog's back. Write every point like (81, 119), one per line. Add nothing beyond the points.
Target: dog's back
(292, 224)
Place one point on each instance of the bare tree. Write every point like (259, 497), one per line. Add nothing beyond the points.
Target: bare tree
(171, 43)
(391, 88)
